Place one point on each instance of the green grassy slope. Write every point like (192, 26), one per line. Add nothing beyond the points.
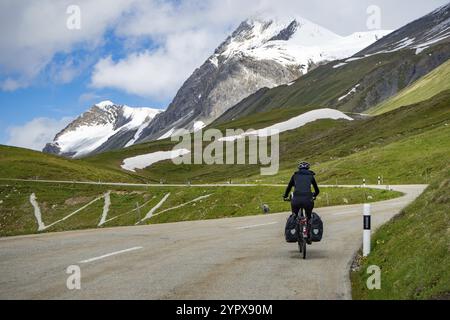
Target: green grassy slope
(21, 163)
(375, 137)
(329, 145)
(416, 159)
(199, 173)
(412, 250)
(56, 201)
(426, 87)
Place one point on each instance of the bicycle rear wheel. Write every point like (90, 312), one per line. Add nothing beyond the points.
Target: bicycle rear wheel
(300, 245)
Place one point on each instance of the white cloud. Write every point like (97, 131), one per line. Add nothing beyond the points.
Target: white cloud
(65, 71)
(36, 133)
(158, 73)
(186, 33)
(34, 31)
(10, 84)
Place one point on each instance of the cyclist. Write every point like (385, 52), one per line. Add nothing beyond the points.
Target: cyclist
(303, 197)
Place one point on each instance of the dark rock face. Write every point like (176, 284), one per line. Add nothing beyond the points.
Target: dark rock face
(186, 105)
(211, 91)
(386, 82)
(287, 33)
(222, 82)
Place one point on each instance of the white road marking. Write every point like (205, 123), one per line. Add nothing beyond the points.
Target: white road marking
(105, 208)
(150, 213)
(257, 225)
(110, 254)
(37, 212)
(73, 213)
(184, 204)
(131, 211)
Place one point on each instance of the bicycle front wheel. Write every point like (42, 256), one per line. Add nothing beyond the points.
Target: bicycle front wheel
(304, 249)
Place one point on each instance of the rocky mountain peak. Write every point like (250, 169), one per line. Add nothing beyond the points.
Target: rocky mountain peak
(262, 52)
(99, 125)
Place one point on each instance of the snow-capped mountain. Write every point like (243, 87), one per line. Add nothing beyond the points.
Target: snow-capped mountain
(104, 126)
(298, 42)
(261, 52)
(367, 78)
(418, 35)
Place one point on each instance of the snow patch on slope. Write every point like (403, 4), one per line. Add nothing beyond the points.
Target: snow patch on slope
(85, 139)
(352, 91)
(166, 135)
(413, 44)
(141, 121)
(339, 65)
(146, 160)
(199, 125)
(293, 123)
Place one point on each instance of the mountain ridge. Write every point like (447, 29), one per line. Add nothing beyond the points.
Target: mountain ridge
(102, 122)
(261, 52)
(257, 54)
(364, 80)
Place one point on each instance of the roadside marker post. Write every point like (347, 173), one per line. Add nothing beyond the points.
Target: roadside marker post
(366, 229)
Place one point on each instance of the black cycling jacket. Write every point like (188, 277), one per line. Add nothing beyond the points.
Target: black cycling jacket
(302, 181)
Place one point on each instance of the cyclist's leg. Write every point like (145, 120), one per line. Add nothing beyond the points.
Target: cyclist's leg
(309, 206)
(295, 206)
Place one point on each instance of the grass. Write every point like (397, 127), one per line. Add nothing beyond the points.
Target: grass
(340, 150)
(21, 163)
(234, 202)
(171, 173)
(426, 87)
(417, 159)
(59, 200)
(412, 250)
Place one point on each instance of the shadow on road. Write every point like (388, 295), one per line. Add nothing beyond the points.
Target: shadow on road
(311, 254)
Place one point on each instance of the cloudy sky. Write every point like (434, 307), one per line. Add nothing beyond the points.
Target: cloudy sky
(135, 52)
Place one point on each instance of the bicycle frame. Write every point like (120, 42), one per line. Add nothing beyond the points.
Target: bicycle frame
(303, 224)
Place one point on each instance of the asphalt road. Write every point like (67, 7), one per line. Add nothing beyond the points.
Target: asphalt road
(235, 258)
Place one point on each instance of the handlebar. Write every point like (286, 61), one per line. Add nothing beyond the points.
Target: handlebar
(290, 198)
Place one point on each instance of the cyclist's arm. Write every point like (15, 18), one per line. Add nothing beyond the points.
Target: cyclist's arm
(289, 187)
(316, 187)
